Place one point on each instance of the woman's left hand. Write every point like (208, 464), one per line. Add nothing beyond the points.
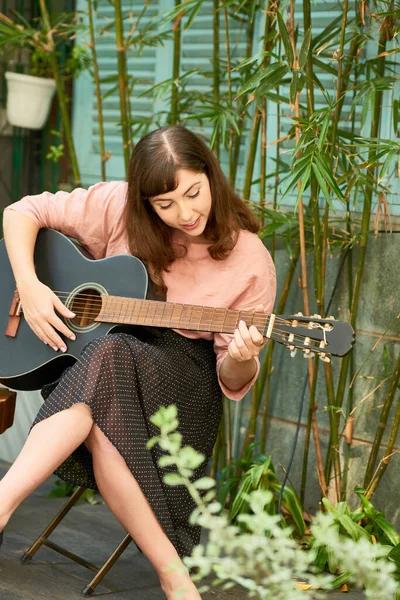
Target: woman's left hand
(247, 342)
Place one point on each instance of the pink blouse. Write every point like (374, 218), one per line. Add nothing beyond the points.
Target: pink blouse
(94, 217)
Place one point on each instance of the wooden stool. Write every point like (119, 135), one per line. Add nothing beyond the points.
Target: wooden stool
(7, 408)
(7, 411)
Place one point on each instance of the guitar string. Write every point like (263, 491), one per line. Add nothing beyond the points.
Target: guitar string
(97, 299)
(261, 324)
(278, 333)
(84, 297)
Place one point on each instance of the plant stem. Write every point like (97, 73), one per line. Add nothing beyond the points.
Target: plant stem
(216, 78)
(96, 78)
(382, 425)
(228, 70)
(373, 483)
(62, 98)
(176, 67)
(122, 82)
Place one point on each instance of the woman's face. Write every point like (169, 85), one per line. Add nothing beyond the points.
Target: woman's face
(187, 208)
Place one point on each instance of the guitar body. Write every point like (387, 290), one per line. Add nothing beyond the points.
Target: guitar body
(26, 363)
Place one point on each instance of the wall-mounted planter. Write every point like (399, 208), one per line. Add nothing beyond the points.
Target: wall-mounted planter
(28, 99)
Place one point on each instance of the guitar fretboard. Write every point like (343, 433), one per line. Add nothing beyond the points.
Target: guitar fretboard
(116, 309)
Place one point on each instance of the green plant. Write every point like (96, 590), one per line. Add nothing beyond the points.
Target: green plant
(262, 556)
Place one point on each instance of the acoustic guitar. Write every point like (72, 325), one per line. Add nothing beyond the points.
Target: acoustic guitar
(109, 293)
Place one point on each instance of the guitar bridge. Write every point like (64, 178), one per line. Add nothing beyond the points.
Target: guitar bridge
(15, 316)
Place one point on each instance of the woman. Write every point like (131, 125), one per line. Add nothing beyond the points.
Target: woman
(198, 240)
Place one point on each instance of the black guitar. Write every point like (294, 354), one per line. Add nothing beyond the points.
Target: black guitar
(105, 294)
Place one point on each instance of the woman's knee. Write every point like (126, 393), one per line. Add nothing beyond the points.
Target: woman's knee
(97, 440)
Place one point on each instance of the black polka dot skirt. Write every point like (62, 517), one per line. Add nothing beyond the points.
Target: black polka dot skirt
(125, 378)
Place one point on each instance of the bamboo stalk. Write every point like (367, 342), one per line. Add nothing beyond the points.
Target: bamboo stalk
(96, 78)
(228, 68)
(241, 107)
(373, 483)
(122, 82)
(216, 69)
(61, 95)
(267, 46)
(176, 67)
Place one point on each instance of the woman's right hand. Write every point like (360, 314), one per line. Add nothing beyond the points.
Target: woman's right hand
(39, 304)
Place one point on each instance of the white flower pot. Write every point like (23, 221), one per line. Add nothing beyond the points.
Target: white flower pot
(28, 100)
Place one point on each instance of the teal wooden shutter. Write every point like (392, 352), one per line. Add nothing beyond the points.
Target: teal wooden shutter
(149, 68)
(155, 65)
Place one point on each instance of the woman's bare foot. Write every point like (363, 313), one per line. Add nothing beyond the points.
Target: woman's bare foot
(177, 585)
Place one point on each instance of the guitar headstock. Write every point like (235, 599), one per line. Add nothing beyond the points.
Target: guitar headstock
(312, 335)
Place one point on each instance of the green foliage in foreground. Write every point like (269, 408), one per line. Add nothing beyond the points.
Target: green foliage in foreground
(262, 556)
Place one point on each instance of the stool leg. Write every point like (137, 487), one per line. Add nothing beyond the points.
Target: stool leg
(89, 589)
(28, 555)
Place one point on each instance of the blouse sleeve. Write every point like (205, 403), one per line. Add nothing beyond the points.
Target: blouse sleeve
(86, 215)
(260, 289)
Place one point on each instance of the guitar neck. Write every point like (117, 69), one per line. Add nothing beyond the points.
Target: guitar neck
(130, 311)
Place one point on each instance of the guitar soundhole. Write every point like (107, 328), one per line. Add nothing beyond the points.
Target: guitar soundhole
(86, 304)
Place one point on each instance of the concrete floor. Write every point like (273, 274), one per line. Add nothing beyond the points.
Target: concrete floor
(93, 532)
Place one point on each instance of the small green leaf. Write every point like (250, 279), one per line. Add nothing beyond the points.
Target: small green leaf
(204, 483)
(173, 479)
(167, 461)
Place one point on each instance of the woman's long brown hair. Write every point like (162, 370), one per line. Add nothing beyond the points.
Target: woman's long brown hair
(153, 168)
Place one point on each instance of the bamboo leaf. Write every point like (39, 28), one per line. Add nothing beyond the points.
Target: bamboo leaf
(259, 75)
(320, 160)
(395, 115)
(304, 182)
(193, 14)
(272, 81)
(366, 107)
(285, 37)
(255, 58)
(305, 48)
(322, 184)
(324, 130)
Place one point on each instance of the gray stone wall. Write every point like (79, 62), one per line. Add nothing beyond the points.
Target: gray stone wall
(379, 305)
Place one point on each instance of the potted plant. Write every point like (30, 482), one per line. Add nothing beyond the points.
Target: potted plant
(30, 95)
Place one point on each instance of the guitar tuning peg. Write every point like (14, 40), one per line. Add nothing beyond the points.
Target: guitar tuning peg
(316, 317)
(324, 357)
(299, 314)
(330, 318)
(293, 351)
(308, 354)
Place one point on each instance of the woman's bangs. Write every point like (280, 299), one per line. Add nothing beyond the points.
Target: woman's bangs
(160, 179)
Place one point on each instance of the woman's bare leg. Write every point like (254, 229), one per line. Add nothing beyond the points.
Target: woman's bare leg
(124, 497)
(49, 443)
